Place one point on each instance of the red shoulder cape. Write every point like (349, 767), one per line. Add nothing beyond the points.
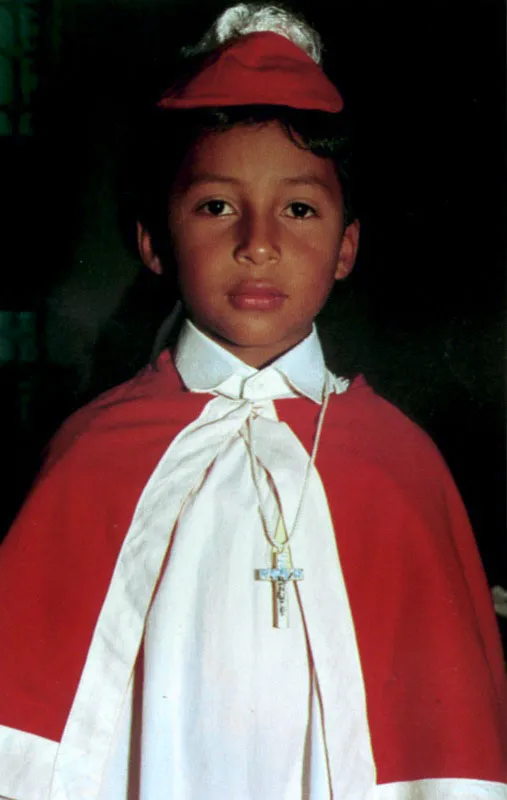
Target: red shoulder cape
(427, 637)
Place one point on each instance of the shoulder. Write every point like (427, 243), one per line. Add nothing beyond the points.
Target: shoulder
(152, 405)
(381, 448)
(385, 477)
(368, 421)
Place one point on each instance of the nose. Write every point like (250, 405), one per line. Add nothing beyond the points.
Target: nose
(258, 240)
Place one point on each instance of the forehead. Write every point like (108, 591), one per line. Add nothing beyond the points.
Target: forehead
(257, 154)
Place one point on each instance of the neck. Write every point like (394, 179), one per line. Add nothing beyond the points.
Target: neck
(257, 355)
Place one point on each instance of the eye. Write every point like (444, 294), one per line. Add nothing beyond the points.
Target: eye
(216, 208)
(300, 210)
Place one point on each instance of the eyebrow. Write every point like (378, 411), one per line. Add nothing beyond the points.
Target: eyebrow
(297, 180)
(308, 180)
(209, 177)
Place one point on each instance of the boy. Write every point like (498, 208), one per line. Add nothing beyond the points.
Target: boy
(222, 552)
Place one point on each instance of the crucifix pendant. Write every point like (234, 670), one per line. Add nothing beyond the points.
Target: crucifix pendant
(280, 574)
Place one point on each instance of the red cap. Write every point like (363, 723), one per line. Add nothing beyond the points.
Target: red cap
(257, 69)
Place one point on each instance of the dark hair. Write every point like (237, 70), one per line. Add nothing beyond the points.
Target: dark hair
(169, 135)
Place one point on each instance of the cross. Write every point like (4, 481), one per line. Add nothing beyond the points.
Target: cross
(279, 575)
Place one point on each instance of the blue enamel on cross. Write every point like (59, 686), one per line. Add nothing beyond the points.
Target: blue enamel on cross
(279, 575)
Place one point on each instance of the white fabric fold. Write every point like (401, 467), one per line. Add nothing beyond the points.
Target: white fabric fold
(30, 759)
(91, 728)
(211, 617)
(325, 608)
(440, 789)
(217, 546)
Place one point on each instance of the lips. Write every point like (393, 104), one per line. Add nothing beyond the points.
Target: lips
(256, 296)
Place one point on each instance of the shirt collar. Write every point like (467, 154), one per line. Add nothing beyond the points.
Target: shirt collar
(205, 366)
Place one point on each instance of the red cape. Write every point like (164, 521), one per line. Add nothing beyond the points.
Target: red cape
(427, 636)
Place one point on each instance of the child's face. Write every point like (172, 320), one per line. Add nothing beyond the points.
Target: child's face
(258, 233)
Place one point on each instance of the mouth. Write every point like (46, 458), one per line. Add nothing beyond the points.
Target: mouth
(256, 296)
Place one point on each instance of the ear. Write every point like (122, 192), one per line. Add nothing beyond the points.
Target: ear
(145, 246)
(348, 250)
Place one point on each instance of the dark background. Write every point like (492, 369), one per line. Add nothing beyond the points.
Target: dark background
(424, 314)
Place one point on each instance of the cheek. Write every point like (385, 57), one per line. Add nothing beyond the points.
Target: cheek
(314, 262)
(195, 249)
(183, 244)
(192, 282)
(314, 286)
(319, 244)
(198, 284)
(190, 258)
